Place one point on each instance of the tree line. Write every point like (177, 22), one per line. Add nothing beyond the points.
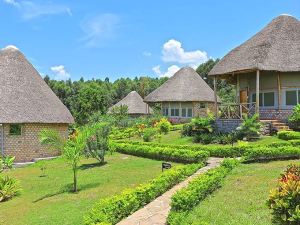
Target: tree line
(87, 97)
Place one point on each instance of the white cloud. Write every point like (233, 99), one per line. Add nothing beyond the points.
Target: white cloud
(30, 10)
(170, 71)
(173, 52)
(99, 29)
(60, 72)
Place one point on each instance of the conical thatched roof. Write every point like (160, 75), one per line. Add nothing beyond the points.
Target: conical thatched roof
(275, 48)
(134, 102)
(24, 96)
(185, 85)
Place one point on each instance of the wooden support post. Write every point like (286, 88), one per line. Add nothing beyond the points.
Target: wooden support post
(257, 93)
(279, 90)
(238, 89)
(215, 97)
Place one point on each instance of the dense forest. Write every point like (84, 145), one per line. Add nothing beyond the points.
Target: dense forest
(84, 98)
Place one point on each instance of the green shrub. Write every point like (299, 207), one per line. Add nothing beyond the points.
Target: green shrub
(149, 134)
(294, 119)
(288, 135)
(271, 153)
(250, 128)
(190, 196)
(177, 127)
(204, 138)
(173, 153)
(285, 199)
(9, 187)
(164, 126)
(202, 124)
(113, 209)
(294, 143)
(187, 130)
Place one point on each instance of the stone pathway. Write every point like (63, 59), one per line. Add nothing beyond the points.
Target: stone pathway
(156, 212)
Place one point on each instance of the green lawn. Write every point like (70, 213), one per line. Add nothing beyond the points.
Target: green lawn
(46, 200)
(242, 199)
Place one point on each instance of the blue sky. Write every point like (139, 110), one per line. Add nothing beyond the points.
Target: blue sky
(118, 38)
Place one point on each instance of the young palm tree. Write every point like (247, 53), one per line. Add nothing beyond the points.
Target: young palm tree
(72, 149)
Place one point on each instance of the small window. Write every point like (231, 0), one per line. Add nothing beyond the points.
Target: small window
(269, 99)
(165, 111)
(15, 129)
(190, 112)
(202, 105)
(291, 97)
(260, 99)
(174, 112)
(183, 112)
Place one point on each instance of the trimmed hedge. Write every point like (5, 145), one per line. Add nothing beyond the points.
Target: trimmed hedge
(214, 151)
(113, 209)
(197, 190)
(174, 154)
(288, 135)
(268, 154)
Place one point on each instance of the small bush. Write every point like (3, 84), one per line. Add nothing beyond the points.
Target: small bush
(9, 187)
(164, 126)
(149, 134)
(294, 119)
(288, 135)
(285, 199)
(249, 129)
(187, 130)
(113, 209)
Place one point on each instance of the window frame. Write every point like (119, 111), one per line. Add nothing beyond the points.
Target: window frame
(297, 97)
(17, 133)
(262, 99)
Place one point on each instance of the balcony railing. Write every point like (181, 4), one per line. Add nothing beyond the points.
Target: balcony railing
(235, 111)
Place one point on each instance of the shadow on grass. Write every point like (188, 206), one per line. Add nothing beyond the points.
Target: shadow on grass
(68, 189)
(91, 165)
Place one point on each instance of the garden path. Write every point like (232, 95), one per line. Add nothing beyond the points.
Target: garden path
(156, 212)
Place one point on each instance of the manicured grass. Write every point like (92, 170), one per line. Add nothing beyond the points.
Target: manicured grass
(242, 199)
(47, 200)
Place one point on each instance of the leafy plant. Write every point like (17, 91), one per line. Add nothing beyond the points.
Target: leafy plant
(285, 199)
(164, 126)
(97, 141)
(149, 134)
(250, 128)
(202, 124)
(295, 117)
(6, 162)
(42, 166)
(9, 187)
(288, 135)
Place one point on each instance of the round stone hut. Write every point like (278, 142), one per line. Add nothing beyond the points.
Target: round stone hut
(27, 106)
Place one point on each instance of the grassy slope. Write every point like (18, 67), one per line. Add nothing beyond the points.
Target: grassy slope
(46, 200)
(242, 199)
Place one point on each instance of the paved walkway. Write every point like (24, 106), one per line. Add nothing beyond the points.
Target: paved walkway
(156, 212)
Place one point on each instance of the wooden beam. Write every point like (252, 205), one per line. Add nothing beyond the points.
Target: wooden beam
(237, 88)
(257, 93)
(279, 90)
(215, 96)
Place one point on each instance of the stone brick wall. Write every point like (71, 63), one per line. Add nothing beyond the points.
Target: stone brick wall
(26, 147)
(227, 125)
(275, 114)
(202, 112)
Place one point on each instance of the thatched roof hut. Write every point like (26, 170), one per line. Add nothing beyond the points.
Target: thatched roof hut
(185, 85)
(24, 95)
(135, 104)
(275, 48)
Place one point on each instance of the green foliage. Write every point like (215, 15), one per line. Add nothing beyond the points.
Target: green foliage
(187, 198)
(6, 162)
(288, 135)
(285, 199)
(295, 117)
(9, 187)
(164, 126)
(114, 209)
(170, 153)
(52, 139)
(97, 141)
(149, 134)
(250, 128)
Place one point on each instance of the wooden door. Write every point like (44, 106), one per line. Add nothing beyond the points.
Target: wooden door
(243, 96)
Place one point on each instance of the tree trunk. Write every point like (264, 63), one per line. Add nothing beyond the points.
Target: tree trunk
(74, 179)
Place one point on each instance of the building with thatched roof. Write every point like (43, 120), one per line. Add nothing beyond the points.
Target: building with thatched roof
(136, 105)
(183, 96)
(27, 106)
(265, 70)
